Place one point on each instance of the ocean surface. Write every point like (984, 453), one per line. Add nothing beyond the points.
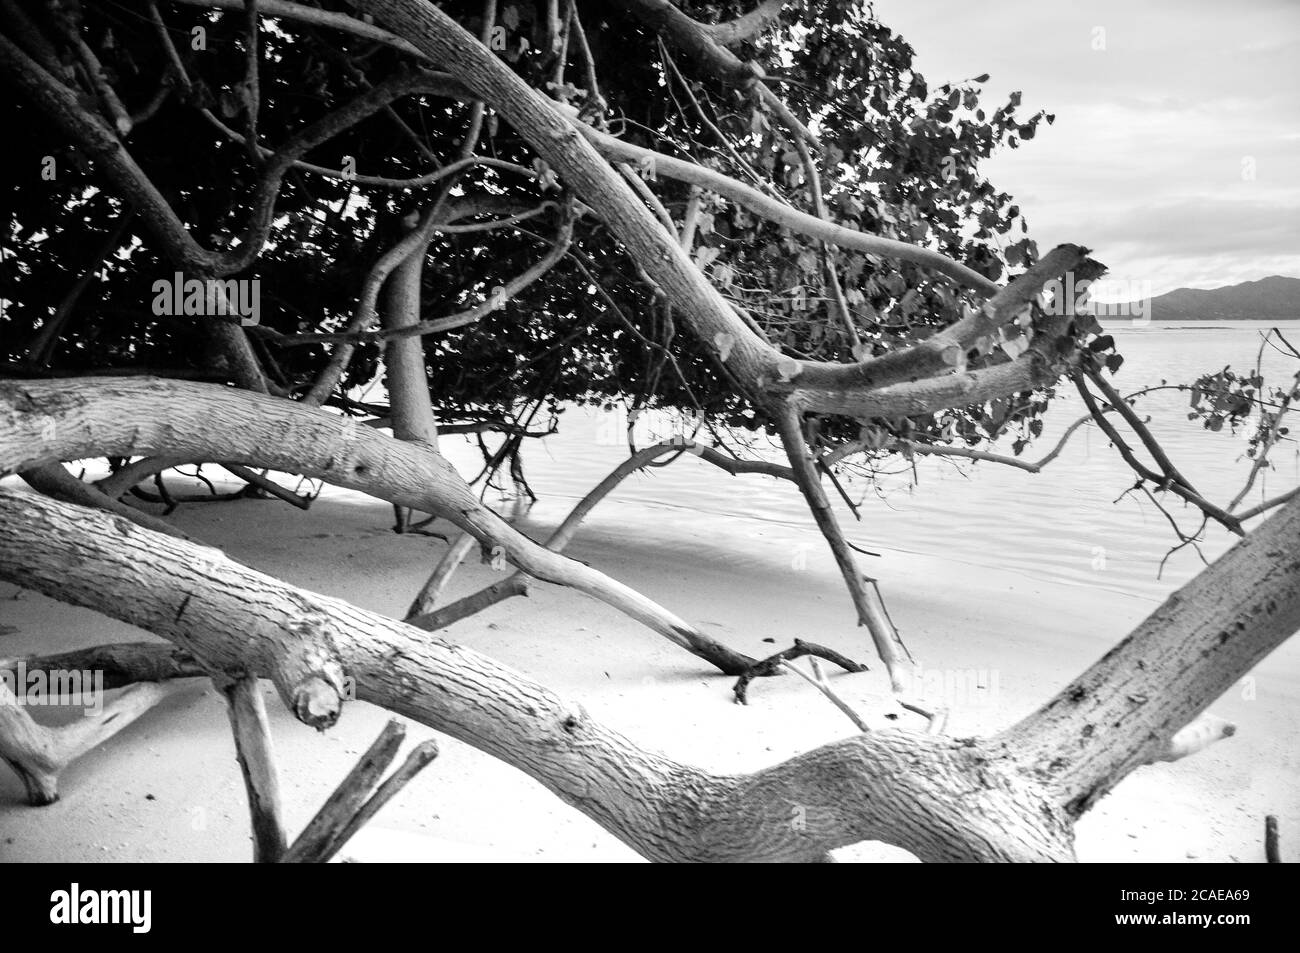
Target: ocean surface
(1067, 524)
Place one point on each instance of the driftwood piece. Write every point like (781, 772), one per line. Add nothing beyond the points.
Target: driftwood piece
(39, 754)
(353, 804)
(252, 734)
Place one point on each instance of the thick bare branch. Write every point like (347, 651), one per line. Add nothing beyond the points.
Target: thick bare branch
(1126, 709)
(746, 27)
(945, 351)
(95, 417)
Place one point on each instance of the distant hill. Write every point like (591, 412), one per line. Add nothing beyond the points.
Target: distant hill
(1276, 298)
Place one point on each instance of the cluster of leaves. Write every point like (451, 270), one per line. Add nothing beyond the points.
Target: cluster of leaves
(1228, 398)
(899, 160)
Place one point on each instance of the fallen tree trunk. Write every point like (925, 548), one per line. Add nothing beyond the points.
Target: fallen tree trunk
(943, 799)
(235, 619)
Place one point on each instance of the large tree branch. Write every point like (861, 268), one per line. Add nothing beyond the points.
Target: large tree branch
(945, 351)
(1125, 710)
(48, 421)
(747, 26)
(775, 210)
(1035, 368)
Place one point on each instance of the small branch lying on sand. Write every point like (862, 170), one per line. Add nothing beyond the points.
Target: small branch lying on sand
(818, 680)
(938, 717)
(352, 805)
(1272, 850)
(269, 486)
(772, 665)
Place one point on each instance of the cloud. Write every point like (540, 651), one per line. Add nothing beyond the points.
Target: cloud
(1177, 144)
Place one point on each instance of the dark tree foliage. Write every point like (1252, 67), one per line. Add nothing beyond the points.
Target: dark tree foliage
(899, 159)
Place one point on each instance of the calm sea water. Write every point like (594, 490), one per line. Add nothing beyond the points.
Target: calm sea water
(1063, 524)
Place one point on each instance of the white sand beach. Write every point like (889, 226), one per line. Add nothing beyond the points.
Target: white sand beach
(168, 787)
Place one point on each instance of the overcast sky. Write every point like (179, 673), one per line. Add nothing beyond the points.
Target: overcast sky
(1176, 149)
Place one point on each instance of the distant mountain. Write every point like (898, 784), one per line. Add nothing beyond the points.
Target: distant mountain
(1276, 298)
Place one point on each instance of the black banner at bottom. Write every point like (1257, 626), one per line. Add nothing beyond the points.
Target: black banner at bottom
(339, 902)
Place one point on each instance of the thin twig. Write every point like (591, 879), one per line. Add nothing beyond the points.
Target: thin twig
(818, 681)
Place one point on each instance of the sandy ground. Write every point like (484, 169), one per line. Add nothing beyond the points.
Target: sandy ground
(168, 788)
